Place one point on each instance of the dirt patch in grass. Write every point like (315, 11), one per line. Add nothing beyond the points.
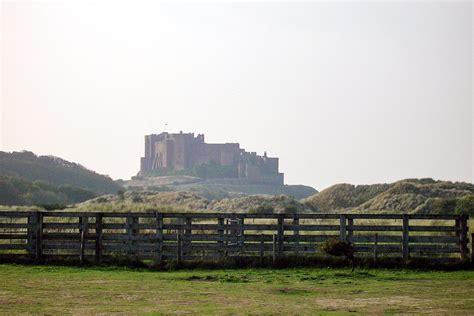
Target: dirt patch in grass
(290, 291)
(202, 278)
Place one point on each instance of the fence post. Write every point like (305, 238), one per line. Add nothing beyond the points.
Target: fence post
(405, 238)
(159, 238)
(98, 237)
(220, 233)
(241, 233)
(262, 248)
(83, 227)
(39, 236)
(342, 227)
(83, 245)
(296, 233)
(463, 237)
(280, 234)
(275, 238)
(178, 249)
(32, 226)
(187, 234)
(128, 229)
(349, 228)
(472, 248)
(226, 253)
(375, 247)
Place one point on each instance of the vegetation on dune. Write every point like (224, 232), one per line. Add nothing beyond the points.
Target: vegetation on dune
(341, 196)
(132, 201)
(54, 171)
(215, 188)
(465, 205)
(406, 196)
(259, 204)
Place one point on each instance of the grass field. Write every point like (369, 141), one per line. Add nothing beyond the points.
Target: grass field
(82, 291)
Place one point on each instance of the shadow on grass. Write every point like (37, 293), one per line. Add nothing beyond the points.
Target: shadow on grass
(249, 262)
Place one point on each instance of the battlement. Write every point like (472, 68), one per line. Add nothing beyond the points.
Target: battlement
(172, 152)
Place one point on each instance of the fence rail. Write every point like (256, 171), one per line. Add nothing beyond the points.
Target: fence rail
(187, 236)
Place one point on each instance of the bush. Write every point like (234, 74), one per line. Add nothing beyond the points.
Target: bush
(263, 209)
(291, 209)
(465, 205)
(52, 207)
(121, 194)
(136, 198)
(339, 248)
(444, 206)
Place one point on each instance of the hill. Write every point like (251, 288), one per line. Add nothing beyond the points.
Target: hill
(27, 179)
(17, 191)
(407, 196)
(55, 171)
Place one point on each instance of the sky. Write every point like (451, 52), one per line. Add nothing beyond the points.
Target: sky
(354, 92)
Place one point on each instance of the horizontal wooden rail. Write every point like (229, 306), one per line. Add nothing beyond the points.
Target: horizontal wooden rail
(182, 236)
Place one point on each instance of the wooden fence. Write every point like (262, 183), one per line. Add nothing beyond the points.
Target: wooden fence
(194, 236)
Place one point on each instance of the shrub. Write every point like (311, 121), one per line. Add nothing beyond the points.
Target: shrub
(52, 207)
(339, 248)
(291, 209)
(121, 194)
(444, 206)
(137, 198)
(465, 205)
(263, 209)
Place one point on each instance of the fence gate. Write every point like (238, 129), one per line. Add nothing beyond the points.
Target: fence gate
(234, 234)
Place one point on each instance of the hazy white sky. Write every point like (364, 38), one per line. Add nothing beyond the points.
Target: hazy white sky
(341, 92)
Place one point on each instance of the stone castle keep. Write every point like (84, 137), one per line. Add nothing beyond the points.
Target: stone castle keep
(183, 151)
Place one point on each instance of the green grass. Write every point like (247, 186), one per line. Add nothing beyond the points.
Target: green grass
(73, 290)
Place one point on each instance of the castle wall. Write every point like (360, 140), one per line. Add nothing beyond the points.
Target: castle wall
(182, 151)
(271, 165)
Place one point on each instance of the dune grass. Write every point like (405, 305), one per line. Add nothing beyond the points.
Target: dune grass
(101, 290)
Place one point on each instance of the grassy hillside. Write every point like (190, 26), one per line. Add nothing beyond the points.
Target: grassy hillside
(55, 171)
(27, 179)
(407, 196)
(342, 196)
(17, 191)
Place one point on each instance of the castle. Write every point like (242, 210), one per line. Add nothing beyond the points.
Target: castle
(167, 152)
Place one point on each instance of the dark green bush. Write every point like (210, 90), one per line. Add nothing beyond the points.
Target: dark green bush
(444, 206)
(465, 205)
(339, 248)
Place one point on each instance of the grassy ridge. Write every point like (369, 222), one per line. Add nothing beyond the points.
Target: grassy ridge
(17, 191)
(55, 171)
(27, 179)
(407, 196)
(68, 290)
